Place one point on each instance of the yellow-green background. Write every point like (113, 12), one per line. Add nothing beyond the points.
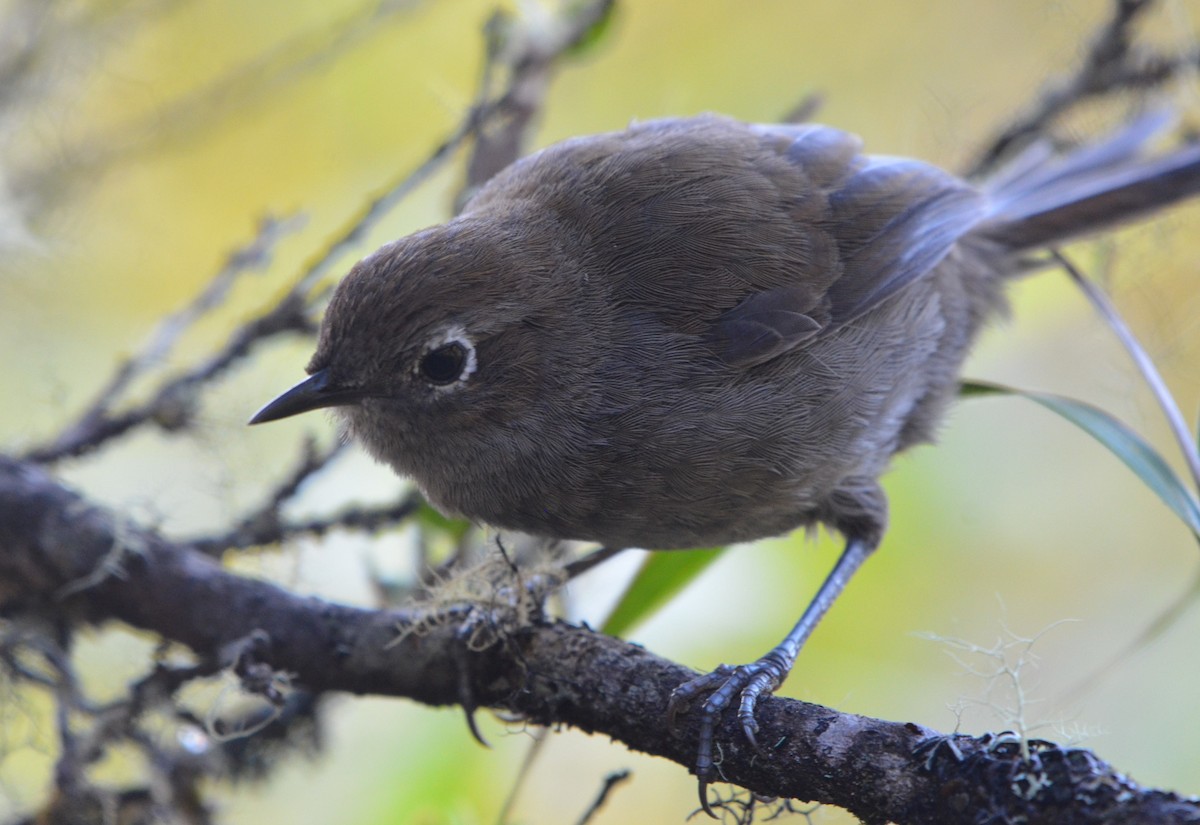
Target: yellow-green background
(1016, 522)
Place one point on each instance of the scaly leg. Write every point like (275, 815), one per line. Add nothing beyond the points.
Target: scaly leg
(763, 676)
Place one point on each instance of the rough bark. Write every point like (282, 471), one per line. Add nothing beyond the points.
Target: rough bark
(68, 560)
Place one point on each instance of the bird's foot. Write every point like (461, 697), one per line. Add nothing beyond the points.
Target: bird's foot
(750, 682)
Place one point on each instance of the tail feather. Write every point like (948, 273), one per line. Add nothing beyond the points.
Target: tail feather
(1042, 199)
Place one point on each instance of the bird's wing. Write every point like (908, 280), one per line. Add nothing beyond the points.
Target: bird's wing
(895, 220)
(765, 325)
(892, 220)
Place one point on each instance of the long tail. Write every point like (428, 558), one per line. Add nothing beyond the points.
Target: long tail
(1044, 199)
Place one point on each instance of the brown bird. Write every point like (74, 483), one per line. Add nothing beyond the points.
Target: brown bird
(699, 331)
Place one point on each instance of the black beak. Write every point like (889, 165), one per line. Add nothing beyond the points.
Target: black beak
(312, 393)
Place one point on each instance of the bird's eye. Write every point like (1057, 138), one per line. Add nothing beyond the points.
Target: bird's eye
(444, 365)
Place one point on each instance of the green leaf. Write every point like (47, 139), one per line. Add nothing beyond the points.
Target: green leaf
(663, 574)
(1119, 438)
(431, 519)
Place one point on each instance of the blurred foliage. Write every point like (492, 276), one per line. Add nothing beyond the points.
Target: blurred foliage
(146, 138)
(1125, 443)
(661, 577)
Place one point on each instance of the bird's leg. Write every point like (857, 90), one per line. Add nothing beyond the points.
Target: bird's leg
(763, 676)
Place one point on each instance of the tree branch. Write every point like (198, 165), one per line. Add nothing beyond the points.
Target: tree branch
(1113, 64)
(70, 560)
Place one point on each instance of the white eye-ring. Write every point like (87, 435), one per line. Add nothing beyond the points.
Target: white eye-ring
(448, 359)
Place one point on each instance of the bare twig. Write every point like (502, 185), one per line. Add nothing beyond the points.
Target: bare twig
(265, 531)
(611, 781)
(531, 54)
(264, 525)
(255, 255)
(537, 746)
(585, 563)
(1111, 65)
(173, 404)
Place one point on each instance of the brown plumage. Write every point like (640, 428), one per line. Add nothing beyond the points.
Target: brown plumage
(696, 332)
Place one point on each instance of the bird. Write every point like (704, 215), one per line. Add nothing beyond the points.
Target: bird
(700, 331)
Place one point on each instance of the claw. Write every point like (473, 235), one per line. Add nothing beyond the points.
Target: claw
(682, 696)
(704, 798)
(466, 696)
(750, 737)
(750, 682)
(673, 707)
(768, 676)
(470, 711)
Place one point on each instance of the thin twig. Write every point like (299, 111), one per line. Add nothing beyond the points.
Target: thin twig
(264, 525)
(611, 781)
(1107, 67)
(173, 404)
(516, 97)
(255, 255)
(266, 531)
(379, 206)
(581, 565)
(536, 747)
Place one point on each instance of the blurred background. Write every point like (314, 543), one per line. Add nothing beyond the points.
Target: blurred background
(147, 139)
